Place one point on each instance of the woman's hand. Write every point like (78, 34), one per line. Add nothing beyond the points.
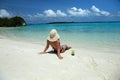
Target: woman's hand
(42, 52)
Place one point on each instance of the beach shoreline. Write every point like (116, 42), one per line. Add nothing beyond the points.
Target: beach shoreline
(22, 61)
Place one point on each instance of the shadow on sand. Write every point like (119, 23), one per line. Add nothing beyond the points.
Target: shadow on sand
(52, 52)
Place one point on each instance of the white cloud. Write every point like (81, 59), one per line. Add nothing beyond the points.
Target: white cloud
(78, 12)
(74, 8)
(105, 13)
(75, 12)
(4, 13)
(94, 11)
(50, 13)
(98, 12)
(60, 14)
(38, 15)
(93, 8)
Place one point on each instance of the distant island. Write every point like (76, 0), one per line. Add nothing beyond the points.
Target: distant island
(83, 22)
(12, 22)
(60, 22)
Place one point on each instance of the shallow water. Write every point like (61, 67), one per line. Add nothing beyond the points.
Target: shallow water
(92, 36)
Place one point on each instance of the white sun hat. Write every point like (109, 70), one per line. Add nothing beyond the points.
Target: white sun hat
(53, 36)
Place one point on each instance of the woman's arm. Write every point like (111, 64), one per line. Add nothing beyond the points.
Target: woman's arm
(58, 50)
(47, 46)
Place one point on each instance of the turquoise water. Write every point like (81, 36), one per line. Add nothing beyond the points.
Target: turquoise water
(92, 36)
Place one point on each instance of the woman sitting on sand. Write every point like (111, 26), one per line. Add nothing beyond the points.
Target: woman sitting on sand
(54, 40)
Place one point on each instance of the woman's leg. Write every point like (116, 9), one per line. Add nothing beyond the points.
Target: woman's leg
(64, 48)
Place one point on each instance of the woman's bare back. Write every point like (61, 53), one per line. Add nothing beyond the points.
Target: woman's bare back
(55, 45)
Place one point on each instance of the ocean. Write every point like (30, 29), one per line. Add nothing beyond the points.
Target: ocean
(90, 36)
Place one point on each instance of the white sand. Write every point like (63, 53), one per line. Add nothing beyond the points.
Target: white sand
(21, 61)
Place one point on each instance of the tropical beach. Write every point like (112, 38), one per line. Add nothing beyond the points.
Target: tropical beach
(21, 59)
(91, 29)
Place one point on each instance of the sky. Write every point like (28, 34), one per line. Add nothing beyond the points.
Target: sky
(42, 11)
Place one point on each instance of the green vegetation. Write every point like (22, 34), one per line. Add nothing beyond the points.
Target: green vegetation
(12, 22)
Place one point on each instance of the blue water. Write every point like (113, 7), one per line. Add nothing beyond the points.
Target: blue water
(92, 36)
